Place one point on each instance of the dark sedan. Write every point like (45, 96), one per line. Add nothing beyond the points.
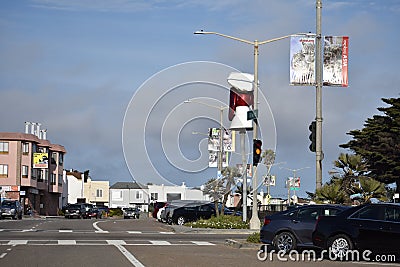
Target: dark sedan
(292, 229)
(374, 227)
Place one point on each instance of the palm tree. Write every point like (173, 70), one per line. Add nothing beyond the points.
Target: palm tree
(372, 188)
(332, 193)
(351, 167)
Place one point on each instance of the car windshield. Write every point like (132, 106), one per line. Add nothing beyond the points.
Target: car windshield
(8, 204)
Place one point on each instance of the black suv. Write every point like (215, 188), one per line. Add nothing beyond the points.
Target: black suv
(11, 208)
(191, 212)
(78, 210)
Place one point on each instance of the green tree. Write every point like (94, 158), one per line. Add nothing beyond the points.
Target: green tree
(378, 143)
(372, 188)
(350, 168)
(331, 193)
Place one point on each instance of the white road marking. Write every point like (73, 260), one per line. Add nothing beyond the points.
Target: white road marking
(202, 243)
(134, 232)
(96, 227)
(3, 255)
(65, 231)
(160, 242)
(119, 244)
(66, 242)
(17, 242)
(167, 233)
(102, 232)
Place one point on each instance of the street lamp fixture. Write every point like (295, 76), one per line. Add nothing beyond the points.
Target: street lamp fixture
(221, 128)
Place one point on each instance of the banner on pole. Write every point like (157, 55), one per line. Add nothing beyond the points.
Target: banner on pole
(335, 60)
(336, 56)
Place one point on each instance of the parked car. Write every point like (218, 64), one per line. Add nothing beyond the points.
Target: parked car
(131, 213)
(190, 212)
(293, 228)
(11, 208)
(157, 206)
(95, 213)
(374, 227)
(78, 210)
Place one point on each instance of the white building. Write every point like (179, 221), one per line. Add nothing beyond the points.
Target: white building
(132, 194)
(79, 187)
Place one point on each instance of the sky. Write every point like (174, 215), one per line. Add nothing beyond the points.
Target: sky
(108, 80)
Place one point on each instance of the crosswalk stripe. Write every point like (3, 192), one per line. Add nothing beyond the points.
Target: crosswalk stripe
(66, 242)
(134, 232)
(17, 242)
(202, 243)
(65, 231)
(160, 243)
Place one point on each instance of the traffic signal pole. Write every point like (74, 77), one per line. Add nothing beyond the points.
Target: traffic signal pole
(318, 73)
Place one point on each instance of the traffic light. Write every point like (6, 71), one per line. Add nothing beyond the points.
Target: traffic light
(313, 136)
(256, 151)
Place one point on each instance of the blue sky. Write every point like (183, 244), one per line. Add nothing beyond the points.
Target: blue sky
(74, 66)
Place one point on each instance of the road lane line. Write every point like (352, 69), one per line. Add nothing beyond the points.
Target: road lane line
(202, 243)
(134, 232)
(3, 255)
(128, 255)
(66, 242)
(96, 227)
(167, 233)
(65, 231)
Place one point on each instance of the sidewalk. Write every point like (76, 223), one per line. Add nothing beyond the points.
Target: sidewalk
(186, 229)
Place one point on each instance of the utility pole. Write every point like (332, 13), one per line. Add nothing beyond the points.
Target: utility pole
(318, 73)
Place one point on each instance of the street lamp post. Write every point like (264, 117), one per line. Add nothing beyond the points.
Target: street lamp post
(294, 175)
(221, 129)
(255, 221)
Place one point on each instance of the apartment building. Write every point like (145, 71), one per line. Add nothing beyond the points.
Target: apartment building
(31, 169)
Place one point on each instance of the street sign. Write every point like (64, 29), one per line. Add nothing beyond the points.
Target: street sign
(252, 114)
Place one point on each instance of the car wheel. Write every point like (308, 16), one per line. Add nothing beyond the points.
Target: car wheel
(339, 246)
(181, 220)
(169, 220)
(15, 217)
(285, 241)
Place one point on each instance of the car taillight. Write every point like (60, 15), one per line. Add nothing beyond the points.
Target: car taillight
(266, 221)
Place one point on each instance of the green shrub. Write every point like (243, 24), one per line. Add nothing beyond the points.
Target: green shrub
(254, 238)
(115, 212)
(221, 222)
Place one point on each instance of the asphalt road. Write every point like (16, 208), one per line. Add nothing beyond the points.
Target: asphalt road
(144, 242)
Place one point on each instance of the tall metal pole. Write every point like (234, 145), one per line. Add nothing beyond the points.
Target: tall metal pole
(255, 221)
(318, 72)
(244, 175)
(221, 147)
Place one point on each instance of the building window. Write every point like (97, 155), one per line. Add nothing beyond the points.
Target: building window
(138, 195)
(116, 195)
(54, 157)
(34, 174)
(60, 158)
(53, 179)
(154, 196)
(60, 178)
(42, 175)
(25, 148)
(99, 193)
(25, 171)
(3, 171)
(3, 147)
